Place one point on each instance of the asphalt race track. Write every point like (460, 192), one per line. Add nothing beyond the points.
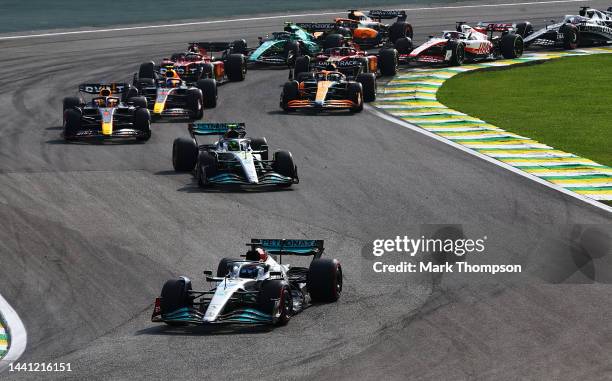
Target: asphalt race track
(89, 233)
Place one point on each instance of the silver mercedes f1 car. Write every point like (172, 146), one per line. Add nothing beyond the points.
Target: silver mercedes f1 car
(257, 289)
(232, 160)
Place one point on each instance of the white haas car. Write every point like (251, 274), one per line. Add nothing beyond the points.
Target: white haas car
(466, 43)
(257, 289)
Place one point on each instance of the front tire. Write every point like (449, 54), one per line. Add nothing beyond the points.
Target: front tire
(174, 296)
(195, 103)
(284, 165)
(290, 93)
(184, 154)
(236, 67)
(457, 53)
(72, 123)
(368, 83)
(209, 92)
(355, 93)
(142, 122)
(205, 168)
(388, 62)
(271, 291)
(511, 46)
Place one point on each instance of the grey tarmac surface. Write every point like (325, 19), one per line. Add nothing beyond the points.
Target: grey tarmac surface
(89, 233)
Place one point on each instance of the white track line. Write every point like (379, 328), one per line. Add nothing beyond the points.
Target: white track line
(17, 331)
(274, 17)
(489, 159)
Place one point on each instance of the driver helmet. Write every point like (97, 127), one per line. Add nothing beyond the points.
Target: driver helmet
(233, 145)
(330, 66)
(263, 255)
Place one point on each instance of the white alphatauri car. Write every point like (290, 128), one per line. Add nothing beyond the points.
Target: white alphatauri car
(232, 160)
(258, 289)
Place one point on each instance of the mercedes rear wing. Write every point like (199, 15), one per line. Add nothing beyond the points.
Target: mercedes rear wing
(299, 247)
(95, 88)
(208, 129)
(381, 14)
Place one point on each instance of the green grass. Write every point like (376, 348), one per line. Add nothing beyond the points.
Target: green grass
(565, 103)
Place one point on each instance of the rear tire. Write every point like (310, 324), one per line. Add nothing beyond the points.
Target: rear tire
(511, 46)
(138, 101)
(325, 280)
(571, 36)
(368, 84)
(236, 67)
(146, 70)
(292, 51)
(272, 290)
(355, 93)
(388, 62)
(302, 65)
(524, 29)
(175, 295)
(239, 47)
(184, 154)
(260, 144)
(209, 92)
(400, 29)
(284, 165)
(142, 122)
(290, 93)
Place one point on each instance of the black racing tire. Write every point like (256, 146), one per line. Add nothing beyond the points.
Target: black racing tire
(284, 165)
(524, 29)
(511, 45)
(291, 52)
(184, 154)
(368, 84)
(571, 36)
(72, 123)
(400, 29)
(207, 71)
(131, 93)
(175, 295)
(195, 102)
(290, 93)
(261, 144)
(457, 52)
(145, 82)
(205, 168)
(324, 281)
(387, 62)
(146, 70)
(71, 102)
(239, 47)
(142, 122)
(333, 40)
(138, 101)
(355, 93)
(302, 65)
(236, 67)
(270, 292)
(209, 92)
(223, 267)
(403, 45)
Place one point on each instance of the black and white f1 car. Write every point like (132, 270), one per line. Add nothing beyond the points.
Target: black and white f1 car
(105, 115)
(258, 289)
(232, 160)
(590, 27)
(466, 43)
